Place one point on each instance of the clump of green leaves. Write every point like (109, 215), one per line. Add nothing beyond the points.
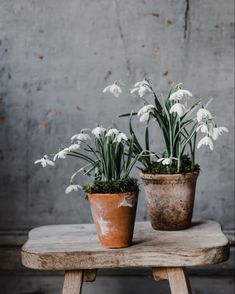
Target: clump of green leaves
(113, 186)
(179, 130)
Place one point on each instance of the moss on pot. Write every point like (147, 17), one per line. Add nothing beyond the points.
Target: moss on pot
(114, 186)
(159, 168)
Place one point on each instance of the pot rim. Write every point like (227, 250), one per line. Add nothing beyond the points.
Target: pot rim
(144, 175)
(112, 194)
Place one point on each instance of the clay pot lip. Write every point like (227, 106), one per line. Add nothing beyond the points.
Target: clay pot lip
(148, 176)
(122, 194)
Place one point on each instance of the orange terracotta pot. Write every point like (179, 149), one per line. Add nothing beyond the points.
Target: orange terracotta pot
(170, 199)
(114, 217)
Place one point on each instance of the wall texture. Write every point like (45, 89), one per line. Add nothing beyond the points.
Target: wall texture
(56, 57)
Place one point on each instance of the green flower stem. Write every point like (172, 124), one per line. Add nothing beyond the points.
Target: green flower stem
(179, 150)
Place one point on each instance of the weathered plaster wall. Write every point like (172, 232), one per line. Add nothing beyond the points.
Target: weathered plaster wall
(56, 56)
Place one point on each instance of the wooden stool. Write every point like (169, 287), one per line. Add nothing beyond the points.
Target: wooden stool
(76, 250)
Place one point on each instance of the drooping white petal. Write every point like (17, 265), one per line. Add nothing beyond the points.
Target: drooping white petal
(74, 147)
(144, 82)
(98, 131)
(71, 188)
(44, 161)
(145, 117)
(106, 89)
(134, 91)
(203, 127)
(160, 159)
(217, 131)
(61, 154)
(112, 132)
(166, 160)
(141, 88)
(80, 137)
(203, 113)
(180, 94)
(49, 162)
(207, 141)
(178, 108)
(145, 108)
(114, 89)
(120, 137)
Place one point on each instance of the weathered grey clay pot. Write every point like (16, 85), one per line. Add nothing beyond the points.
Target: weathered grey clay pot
(170, 199)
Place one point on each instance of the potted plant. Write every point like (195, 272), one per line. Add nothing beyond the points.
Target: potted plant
(170, 177)
(112, 194)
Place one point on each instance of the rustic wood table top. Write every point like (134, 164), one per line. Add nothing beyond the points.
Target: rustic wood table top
(73, 247)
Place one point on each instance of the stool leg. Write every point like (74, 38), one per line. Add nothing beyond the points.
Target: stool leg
(73, 282)
(178, 281)
(177, 278)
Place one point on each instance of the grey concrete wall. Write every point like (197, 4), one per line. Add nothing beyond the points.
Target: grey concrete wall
(56, 56)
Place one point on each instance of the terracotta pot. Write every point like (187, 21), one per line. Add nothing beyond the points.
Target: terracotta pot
(114, 217)
(170, 199)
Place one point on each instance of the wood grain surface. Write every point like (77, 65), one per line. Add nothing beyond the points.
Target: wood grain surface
(68, 247)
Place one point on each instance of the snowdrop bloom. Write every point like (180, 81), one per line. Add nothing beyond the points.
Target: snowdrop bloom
(203, 113)
(114, 89)
(166, 160)
(61, 154)
(44, 161)
(205, 128)
(206, 141)
(141, 88)
(180, 94)
(74, 147)
(112, 132)
(121, 136)
(178, 108)
(145, 111)
(217, 131)
(98, 131)
(71, 188)
(80, 137)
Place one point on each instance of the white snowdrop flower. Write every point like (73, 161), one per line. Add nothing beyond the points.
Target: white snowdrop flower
(144, 82)
(98, 131)
(141, 88)
(121, 136)
(44, 161)
(166, 160)
(61, 154)
(112, 132)
(178, 108)
(204, 128)
(203, 113)
(145, 117)
(80, 137)
(114, 89)
(72, 188)
(74, 147)
(145, 109)
(206, 141)
(180, 94)
(217, 131)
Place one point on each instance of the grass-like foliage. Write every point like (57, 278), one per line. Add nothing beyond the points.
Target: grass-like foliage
(108, 157)
(179, 124)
